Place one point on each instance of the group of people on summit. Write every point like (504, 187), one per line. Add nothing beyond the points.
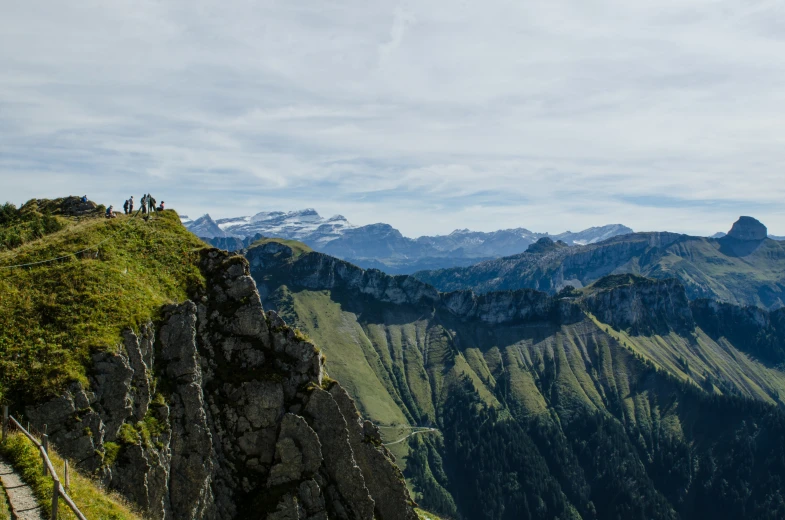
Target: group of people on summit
(147, 206)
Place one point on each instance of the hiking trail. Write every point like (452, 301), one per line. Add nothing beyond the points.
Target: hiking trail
(24, 505)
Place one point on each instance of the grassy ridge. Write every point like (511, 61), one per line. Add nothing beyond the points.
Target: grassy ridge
(89, 497)
(53, 315)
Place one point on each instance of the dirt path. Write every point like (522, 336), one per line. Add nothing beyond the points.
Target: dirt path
(416, 432)
(23, 504)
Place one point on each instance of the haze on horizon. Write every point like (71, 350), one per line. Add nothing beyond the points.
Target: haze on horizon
(429, 116)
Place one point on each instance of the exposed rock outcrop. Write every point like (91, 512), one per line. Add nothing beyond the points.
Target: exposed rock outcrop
(640, 305)
(317, 271)
(751, 329)
(67, 206)
(235, 423)
(320, 271)
(748, 228)
(388, 488)
(545, 245)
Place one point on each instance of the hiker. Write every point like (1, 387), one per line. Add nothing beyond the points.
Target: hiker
(144, 204)
(84, 199)
(125, 207)
(150, 204)
(131, 204)
(110, 212)
(161, 207)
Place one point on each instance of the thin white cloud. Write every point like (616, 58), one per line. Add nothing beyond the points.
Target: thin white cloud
(428, 115)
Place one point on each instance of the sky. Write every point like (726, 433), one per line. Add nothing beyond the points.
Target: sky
(431, 115)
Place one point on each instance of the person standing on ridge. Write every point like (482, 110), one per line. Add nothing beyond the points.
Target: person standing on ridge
(144, 204)
(131, 204)
(125, 207)
(150, 204)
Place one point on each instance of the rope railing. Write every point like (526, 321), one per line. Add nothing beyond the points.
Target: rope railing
(58, 490)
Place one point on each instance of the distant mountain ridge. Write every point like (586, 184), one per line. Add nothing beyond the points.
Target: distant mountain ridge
(743, 267)
(381, 245)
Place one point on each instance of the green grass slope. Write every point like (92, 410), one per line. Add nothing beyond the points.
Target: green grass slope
(111, 274)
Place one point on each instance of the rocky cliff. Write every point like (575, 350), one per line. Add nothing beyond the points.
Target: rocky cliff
(750, 329)
(317, 271)
(640, 305)
(748, 228)
(220, 411)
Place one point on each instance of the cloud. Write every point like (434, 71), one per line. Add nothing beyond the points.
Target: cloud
(427, 115)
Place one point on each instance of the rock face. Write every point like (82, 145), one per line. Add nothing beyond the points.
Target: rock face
(234, 424)
(317, 271)
(640, 305)
(748, 228)
(545, 245)
(752, 329)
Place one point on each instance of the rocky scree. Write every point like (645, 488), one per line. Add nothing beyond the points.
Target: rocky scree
(219, 412)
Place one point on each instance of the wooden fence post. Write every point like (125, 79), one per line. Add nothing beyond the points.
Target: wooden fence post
(67, 478)
(5, 421)
(45, 443)
(55, 498)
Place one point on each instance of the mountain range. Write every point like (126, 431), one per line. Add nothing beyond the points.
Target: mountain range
(624, 399)
(639, 377)
(380, 245)
(743, 267)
